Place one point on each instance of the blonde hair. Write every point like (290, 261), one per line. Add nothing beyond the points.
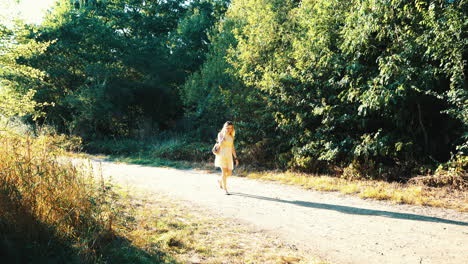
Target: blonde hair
(224, 129)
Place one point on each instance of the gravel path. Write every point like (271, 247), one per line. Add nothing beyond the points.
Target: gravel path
(334, 227)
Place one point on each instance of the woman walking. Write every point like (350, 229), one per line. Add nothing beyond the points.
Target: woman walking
(224, 158)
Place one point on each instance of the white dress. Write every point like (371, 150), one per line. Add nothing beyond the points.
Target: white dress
(224, 158)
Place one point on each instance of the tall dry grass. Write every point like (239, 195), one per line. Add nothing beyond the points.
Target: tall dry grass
(48, 205)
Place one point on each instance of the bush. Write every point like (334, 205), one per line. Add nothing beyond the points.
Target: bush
(453, 173)
(182, 150)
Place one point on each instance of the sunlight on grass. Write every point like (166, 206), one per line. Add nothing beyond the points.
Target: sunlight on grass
(154, 162)
(44, 195)
(377, 193)
(51, 203)
(192, 235)
(350, 188)
(367, 189)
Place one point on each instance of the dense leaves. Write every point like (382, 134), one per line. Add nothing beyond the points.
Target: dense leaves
(113, 68)
(372, 86)
(371, 83)
(18, 82)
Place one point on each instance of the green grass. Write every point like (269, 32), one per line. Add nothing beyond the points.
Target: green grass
(157, 162)
(180, 149)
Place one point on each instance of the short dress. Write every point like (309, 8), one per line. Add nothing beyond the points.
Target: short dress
(224, 158)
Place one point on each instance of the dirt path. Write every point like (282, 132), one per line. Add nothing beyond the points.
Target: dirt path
(337, 228)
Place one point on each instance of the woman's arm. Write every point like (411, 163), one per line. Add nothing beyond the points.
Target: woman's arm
(235, 155)
(234, 152)
(220, 137)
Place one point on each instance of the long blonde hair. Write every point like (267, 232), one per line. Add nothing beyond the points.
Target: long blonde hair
(224, 129)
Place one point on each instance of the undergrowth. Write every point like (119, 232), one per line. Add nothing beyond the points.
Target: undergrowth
(48, 203)
(55, 210)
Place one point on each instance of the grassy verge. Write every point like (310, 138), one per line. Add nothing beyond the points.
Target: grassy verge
(48, 206)
(414, 194)
(444, 197)
(54, 211)
(192, 235)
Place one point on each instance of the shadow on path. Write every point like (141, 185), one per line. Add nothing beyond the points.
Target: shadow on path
(355, 210)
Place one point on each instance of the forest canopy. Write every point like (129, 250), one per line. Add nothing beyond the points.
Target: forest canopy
(315, 85)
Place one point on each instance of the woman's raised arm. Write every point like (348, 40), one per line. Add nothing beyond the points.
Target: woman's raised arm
(220, 137)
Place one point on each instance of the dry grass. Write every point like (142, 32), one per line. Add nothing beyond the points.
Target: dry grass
(445, 197)
(47, 202)
(191, 235)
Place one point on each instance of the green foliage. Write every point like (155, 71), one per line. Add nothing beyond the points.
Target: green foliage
(17, 100)
(105, 75)
(182, 150)
(311, 85)
(117, 146)
(361, 81)
(216, 94)
(14, 104)
(454, 173)
(113, 68)
(206, 93)
(173, 148)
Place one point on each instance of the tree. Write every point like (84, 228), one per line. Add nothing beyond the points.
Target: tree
(17, 81)
(364, 82)
(115, 67)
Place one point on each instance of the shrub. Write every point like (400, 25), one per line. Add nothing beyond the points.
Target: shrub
(182, 150)
(453, 173)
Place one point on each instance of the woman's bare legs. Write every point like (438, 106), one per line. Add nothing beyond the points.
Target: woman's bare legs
(220, 182)
(221, 179)
(227, 173)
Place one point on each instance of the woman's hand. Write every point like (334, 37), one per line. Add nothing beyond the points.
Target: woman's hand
(237, 162)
